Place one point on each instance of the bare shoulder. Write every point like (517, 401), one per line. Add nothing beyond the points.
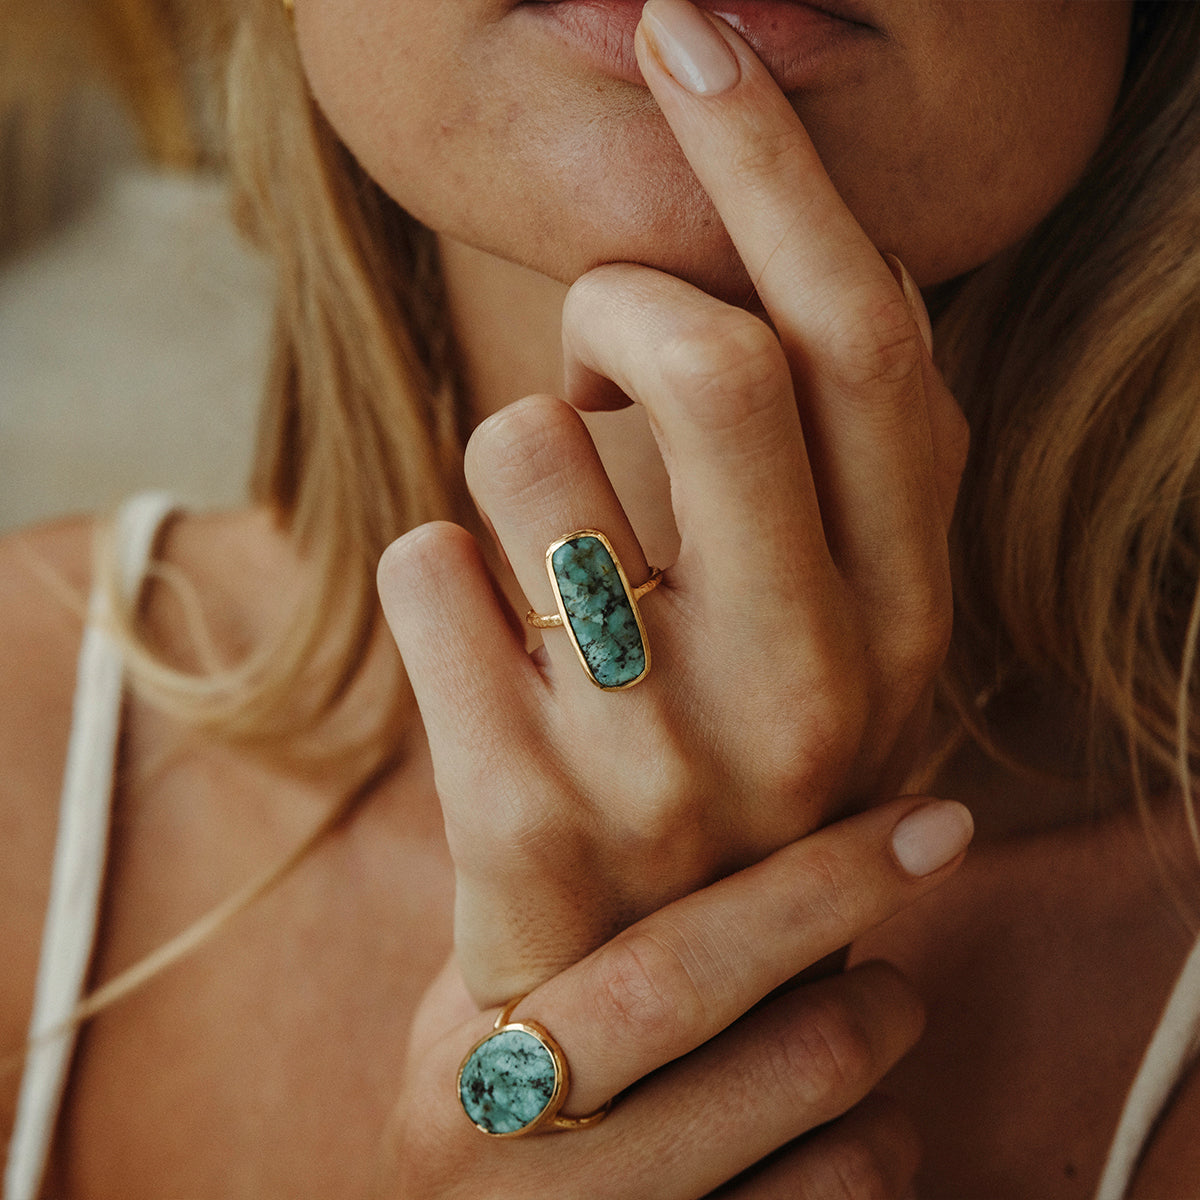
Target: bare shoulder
(44, 582)
(235, 565)
(238, 569)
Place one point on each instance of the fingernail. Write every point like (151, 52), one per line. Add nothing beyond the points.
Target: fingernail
(916, 302)
(689, 47)
(932, 836)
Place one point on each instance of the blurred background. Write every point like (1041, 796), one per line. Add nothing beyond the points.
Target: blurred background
(133, 318)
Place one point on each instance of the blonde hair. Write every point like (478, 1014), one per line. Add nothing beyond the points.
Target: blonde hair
(1077, 358)
(360, 436)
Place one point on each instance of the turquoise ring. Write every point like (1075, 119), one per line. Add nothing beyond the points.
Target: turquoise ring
(597, 607)
(515, 1080)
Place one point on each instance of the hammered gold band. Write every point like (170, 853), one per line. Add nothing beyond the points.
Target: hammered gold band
(514, 1081)
(555, 620)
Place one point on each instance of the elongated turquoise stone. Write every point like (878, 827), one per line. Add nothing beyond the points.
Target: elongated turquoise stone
(507, 1081)
(600, 611)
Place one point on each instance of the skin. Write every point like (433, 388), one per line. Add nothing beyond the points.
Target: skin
(562, 170)
(832, 411)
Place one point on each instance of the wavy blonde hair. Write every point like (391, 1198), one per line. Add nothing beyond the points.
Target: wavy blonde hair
(1077, 359)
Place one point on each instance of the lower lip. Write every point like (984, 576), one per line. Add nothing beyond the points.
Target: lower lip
(797, 43)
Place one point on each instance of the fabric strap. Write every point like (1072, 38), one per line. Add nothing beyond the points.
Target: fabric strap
(1172, 1050)
(77, 876)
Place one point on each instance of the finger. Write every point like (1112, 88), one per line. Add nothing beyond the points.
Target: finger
(844, 324)
(951, 436)
(719, 395)
(680, 976)
(790, 1066)
(872, 1151)
(535, 474)
(464, 659)
(748, 148)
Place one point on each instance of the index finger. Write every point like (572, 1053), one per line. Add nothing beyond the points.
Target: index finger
(849, 335)
(801, 245)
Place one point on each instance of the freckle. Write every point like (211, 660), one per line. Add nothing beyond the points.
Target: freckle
(1070, 1170)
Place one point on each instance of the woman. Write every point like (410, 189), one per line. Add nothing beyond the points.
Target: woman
(635, 859)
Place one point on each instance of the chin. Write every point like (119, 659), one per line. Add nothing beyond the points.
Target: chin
(710, 264)
(684, 238)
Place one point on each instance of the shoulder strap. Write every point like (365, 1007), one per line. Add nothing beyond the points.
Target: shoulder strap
(79, 857)
(1171, 1051)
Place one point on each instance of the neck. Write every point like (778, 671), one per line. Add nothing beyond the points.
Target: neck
(507, 323)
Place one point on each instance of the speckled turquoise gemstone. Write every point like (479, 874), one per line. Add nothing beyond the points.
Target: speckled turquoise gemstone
(507, 1081)
(599, 611)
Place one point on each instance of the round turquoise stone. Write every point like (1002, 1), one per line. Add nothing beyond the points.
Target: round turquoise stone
(507, 1081)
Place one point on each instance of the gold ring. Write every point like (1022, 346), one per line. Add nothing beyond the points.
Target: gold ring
(515, 1080)
(597, 607)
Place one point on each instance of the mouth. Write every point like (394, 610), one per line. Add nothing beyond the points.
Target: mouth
(800, 42)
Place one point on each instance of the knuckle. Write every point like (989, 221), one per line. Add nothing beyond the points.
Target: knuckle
(852, 1170)
(874, 342)
(822, 897)
(815, 737)
(930, 652)
(922, 625)
(929, 616)
(829, 1057)
(526, 447)
(765, 155)
(954, 435)
(833, 712)
(729, 371)
(432, 554)
(657, 804)
(648, 997)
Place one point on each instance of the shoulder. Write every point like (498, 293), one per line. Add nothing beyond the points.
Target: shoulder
(228, 571)
(45, 576)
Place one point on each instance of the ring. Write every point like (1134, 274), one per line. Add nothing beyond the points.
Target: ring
(514, 1081)
(598, 609)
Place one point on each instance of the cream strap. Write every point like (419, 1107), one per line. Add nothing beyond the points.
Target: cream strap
(1172, 1050)
(77, 875)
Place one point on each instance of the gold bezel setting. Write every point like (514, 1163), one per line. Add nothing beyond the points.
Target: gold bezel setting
(562, 618)
(548, 1118)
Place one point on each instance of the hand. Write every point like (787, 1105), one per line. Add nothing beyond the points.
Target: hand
(814, 461)
(711, 1078)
